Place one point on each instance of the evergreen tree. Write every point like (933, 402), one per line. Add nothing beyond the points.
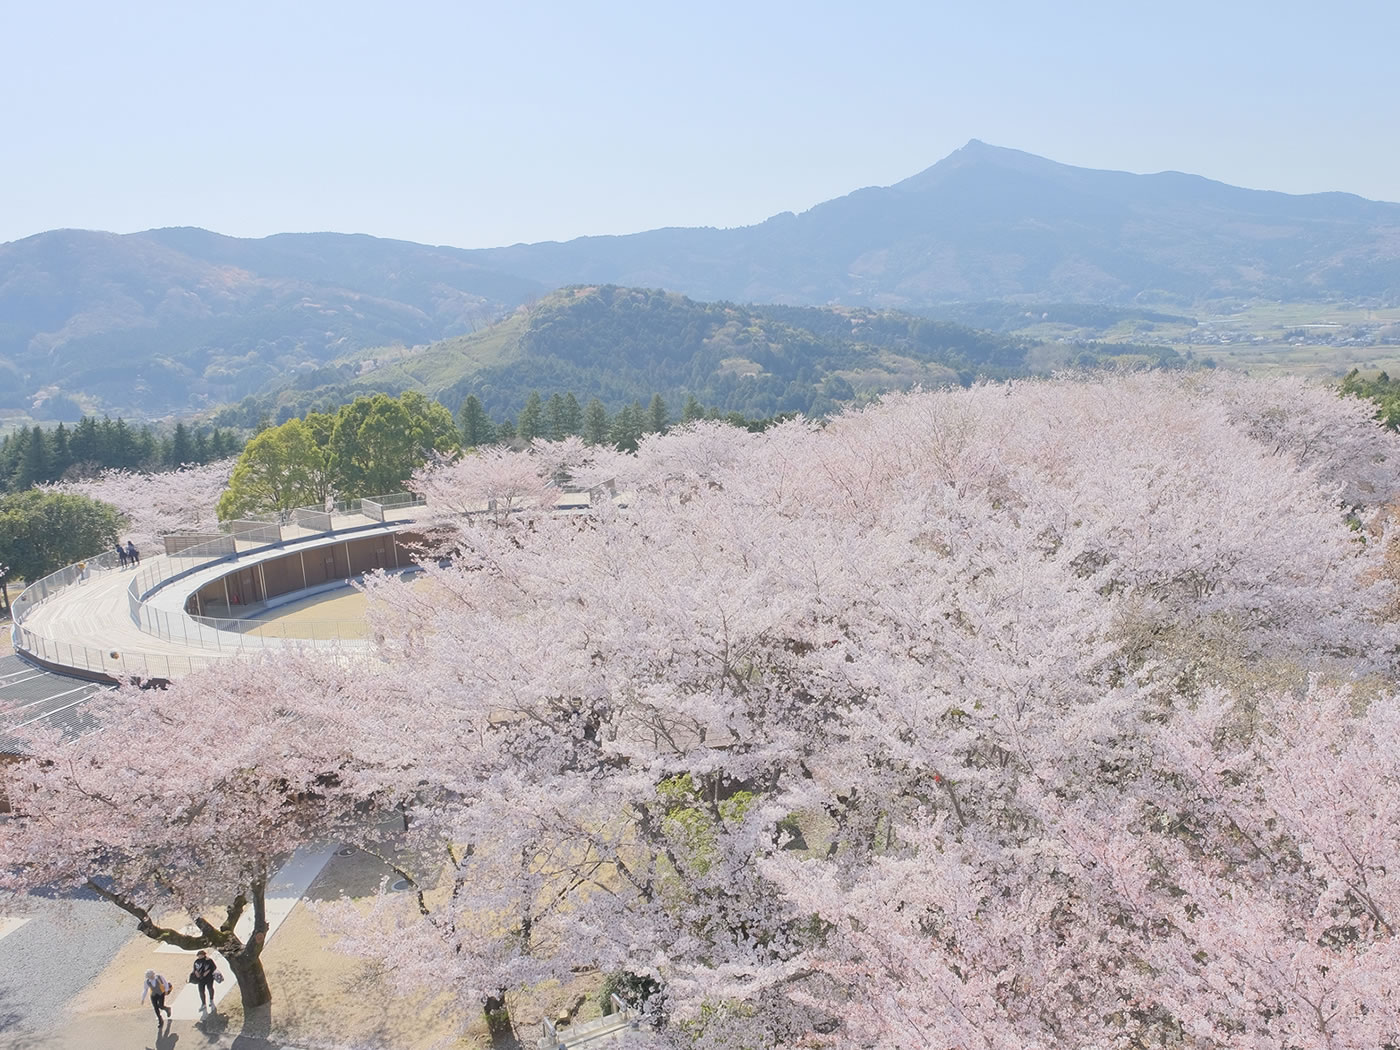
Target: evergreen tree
(626, 430)
(531, 423)
(84, 447)
(120, 449)
(181, 451)
(573, 416)
(693, 410)
(554, 412)
(61, 452)
(595, 423)
(505, 431)
(147, 450)
(33, 461)
(476, 425)
(201, 447)
(658, 416)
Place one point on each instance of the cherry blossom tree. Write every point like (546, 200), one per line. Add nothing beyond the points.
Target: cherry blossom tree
(187, 799)
(862, 730)
(1044, 714)
(155, 504)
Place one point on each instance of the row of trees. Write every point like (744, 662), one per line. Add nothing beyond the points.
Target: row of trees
(562, 417)
(34, 456)
(374, 444)
(1057, 714)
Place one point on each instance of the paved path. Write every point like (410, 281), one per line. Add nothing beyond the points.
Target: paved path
(284, 889)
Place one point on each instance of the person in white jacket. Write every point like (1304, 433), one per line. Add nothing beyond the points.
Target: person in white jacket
(157, 987)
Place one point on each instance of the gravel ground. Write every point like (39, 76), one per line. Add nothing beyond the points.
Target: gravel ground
(51, 958)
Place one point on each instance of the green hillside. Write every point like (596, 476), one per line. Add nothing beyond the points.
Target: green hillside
(625, 344)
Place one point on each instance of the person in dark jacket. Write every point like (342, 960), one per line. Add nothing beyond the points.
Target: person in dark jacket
(121, 556)
(203, 975)
(133, 555)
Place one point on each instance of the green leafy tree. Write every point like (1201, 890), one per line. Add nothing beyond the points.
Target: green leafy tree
(281, 468)
(40, 532)
(378, 442)
(595, 423)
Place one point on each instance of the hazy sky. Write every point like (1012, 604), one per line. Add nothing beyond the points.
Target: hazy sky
(484, 124)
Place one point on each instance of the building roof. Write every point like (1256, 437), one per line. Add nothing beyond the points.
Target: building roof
(31, 696)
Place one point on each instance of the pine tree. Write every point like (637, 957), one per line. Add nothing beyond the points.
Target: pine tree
(33, 461)
(531, 424)
(61, 452)
(595, 423)
(476, 424)
(557, 427)
(693, 410)
(626, 431)
(658, 416)
(181, 451)
(84, 445)
(573, 416)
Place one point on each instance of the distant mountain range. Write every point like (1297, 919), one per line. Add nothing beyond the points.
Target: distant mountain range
(178, 319)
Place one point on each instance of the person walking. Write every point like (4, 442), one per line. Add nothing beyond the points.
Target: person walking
(157, 987)
(204, 974)
(132, 553)
(121, 556)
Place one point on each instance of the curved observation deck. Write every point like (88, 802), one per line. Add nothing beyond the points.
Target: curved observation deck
(194, 605)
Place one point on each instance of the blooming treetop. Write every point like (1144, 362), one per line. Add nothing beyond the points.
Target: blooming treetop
(157, 812)
(155, 504)
(891, 729)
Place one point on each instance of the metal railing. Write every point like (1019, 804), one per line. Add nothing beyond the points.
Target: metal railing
(210, 633)
(108, 662)
(214, 634)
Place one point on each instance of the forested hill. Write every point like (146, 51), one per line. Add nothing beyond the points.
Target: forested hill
(625, 344)
(172, 320)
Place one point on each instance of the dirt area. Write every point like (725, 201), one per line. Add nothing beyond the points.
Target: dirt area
(332, 614)
(321, 998)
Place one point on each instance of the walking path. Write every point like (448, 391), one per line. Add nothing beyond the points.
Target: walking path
(284, 890)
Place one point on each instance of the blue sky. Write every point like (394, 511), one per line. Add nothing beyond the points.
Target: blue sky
(483, 124)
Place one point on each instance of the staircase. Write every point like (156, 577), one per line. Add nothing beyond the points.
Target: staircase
(610, 1028)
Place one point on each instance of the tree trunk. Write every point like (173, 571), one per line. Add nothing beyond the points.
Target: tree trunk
(497, 1014)
(247, 969)
(245, 959)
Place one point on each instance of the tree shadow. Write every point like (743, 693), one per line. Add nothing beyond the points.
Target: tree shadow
(257, 1030)
(212, 1025)
(12, 1036)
